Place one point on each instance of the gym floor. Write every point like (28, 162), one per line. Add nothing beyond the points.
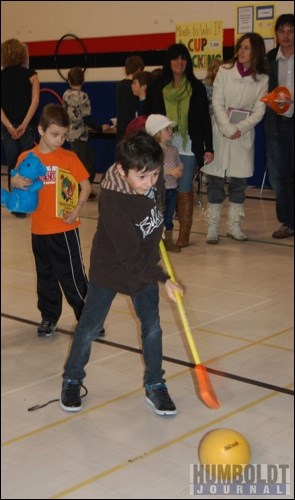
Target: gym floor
(239, 304)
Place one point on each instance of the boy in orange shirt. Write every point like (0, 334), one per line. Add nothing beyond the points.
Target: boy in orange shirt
(55, 241)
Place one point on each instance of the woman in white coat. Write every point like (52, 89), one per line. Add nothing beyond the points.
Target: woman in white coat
(237, 108)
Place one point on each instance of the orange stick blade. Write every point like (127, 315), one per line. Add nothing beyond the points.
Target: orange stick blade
(207, 393)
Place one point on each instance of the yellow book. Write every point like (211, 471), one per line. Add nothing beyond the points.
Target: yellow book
(67, 192)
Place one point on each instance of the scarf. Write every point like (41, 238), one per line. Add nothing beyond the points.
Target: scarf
(243, 72)
(177, 105)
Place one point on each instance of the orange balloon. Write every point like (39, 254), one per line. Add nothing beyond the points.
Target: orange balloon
(279, 99)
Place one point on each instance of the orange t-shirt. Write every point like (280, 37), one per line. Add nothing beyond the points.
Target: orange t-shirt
(44, 220)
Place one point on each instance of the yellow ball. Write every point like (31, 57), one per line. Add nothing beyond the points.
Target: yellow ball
(222, 447)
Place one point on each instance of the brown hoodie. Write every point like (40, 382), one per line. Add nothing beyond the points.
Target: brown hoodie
(125, 250)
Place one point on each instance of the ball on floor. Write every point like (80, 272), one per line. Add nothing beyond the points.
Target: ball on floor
(221, 447)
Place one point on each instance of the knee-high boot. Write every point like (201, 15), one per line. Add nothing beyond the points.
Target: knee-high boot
(185, 208)
(235, 215)
(212, 215)
(168, 242)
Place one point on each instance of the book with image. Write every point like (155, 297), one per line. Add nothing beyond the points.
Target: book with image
(67, 192)
(236, 115)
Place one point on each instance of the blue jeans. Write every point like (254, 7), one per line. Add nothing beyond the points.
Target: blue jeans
(14, 147)
(185, 182)
(170, 207)
(98, 303)
(216, 191)
(280, 166)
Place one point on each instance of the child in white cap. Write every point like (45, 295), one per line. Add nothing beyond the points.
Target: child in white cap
(160, 127)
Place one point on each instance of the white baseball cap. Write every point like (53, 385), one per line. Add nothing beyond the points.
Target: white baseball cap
(155, 123)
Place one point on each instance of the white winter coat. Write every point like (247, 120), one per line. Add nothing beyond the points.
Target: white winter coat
(235, 157)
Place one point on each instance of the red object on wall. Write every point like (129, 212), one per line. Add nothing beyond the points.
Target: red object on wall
(129, 43)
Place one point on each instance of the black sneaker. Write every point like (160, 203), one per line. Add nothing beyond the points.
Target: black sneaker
(157, 396)
(70, 399)
(46, 328)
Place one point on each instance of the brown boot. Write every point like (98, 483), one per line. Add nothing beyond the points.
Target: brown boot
(169, 245)
(185, 208)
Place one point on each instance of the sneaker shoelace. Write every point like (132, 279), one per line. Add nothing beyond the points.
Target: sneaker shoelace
(37, 407)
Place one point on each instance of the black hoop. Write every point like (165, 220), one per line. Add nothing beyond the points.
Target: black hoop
(58, 46)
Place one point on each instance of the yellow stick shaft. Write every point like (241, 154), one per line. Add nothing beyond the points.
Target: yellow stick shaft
(180, 305)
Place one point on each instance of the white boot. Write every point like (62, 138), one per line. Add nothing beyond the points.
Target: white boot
(235, 215)
(212, 215)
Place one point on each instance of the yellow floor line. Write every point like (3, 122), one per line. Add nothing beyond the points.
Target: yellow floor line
(159, 448)
(126, 395)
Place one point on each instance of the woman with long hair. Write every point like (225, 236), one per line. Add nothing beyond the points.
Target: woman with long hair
(237, 108)
(179, 95)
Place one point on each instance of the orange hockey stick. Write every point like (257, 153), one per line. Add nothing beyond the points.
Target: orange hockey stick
(207, 393)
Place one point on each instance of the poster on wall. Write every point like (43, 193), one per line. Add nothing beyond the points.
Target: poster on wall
(258, 17)
(204, 41)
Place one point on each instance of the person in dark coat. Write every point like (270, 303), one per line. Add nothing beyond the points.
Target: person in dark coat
(279, 128)
(179, 95)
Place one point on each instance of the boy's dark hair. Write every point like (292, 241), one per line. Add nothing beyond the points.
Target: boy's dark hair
(143, 77)
(157, 72)
(133, 64)
(284, 19)
(76, 76)
(54, 114)
(139, 151)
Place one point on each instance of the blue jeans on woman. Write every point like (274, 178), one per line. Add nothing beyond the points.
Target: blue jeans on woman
(216, 189)
(170, 207)
(98, 303)
(185, 182)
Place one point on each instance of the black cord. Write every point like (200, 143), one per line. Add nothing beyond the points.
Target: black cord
(37, 407)
(58, 46)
